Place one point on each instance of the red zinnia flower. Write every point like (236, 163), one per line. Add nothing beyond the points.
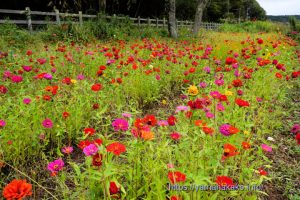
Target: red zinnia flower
(116, 148)
(246, 145)
(96, 87)
(242, 103)
(230, 61)
(224, 181)
(150, 120)
(172, 120)
(97, 159)
(176, 177)
(208, 130)
(237, 83)
(89, 131)
(114, 190)
(175, 198)
(229, 150)
(262, 172)
(17, 189)
(65, 115)
(3, 89)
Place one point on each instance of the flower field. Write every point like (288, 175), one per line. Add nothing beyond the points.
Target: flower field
(146, 118)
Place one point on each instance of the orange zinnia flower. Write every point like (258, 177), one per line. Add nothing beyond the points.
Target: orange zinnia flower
(17, 189)
(147, 135)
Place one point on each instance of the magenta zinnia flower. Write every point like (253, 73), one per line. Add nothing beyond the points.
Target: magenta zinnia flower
(26, 100)
(16, 79)
(2, 123)
(56, 165)
(47, 123)
(224, 129)
(120, 124)
(90, 150)
(266, 148)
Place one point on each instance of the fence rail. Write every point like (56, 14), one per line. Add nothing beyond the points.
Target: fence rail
(79, 19)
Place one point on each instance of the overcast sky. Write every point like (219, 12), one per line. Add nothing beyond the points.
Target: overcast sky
(281, 7)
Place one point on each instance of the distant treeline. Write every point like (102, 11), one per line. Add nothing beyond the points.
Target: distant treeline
(216, 10)
(281, 18)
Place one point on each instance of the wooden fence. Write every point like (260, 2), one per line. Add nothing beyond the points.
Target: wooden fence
(79, 18)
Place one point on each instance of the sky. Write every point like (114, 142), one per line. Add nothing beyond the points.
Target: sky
(281, 7)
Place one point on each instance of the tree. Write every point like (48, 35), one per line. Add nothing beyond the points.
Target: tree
(172, 19)
(201, 4)
(102, 6)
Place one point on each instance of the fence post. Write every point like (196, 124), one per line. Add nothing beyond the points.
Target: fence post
(156, 22)
(148, 22)
(57, 17)
(164, 22)
(139, 21)
(80, 18)
(28, 14)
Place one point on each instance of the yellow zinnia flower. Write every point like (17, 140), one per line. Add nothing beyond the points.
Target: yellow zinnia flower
(193, 90)
(73, 81)
(228, 93)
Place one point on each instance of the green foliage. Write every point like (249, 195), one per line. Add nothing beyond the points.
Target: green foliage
(13, 36)
(254, 27)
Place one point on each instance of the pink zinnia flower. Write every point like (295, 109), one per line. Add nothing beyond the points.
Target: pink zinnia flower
(162, 123)
(90, 150)
(203, 85)
(266, 148)
(48, 76)
(67, 150)
(47, 123)
(157, 77)
(170, 166)
(219, 82)
(56, 165)
(128, 115)
(120, 124)
(27, 68)
(80, 77)
(26, 100)
(181, 108)
(16, 79)
(210, 115)
(175, 136)
(2, 123)
(220, 107)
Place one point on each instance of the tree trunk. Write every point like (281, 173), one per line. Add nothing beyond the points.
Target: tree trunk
(102, 6)
(172, 19)
(201, 4)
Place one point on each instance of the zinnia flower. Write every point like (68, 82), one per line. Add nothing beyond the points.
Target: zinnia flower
(176, 177)
(224, 181)
(26, 100)
(56, 166)
(120, 124)
(17, 189)
(89, 131)
(97, 159)
(2, 123)
(229, 150)
(116, 148)
(91, 149)
(16, 79)
(113, 189)
(193, 90)
(47, 123)
(3, 89)
(175, 136)
(266, 148)
(67, 150)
